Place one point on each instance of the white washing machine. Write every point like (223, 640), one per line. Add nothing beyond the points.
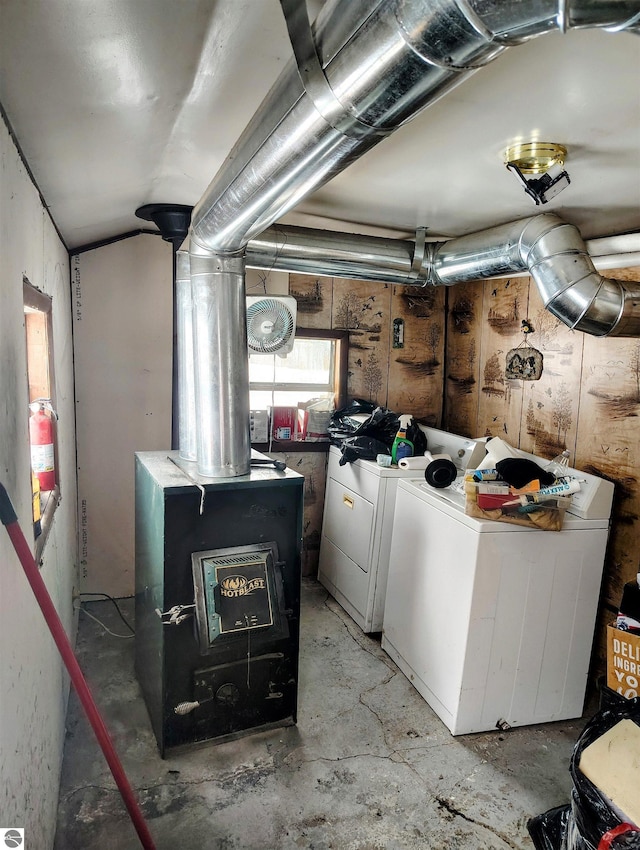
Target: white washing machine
(493, 623)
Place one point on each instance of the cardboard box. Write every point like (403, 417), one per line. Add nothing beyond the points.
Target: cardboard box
(313, 424)
(283, 422)
(259, 426)
(623, 662)
(301, 424)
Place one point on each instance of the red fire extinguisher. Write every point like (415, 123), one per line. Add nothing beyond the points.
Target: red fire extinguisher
(41, 438)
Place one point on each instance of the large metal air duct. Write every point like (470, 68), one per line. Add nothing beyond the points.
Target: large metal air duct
(369, 67)
(332, 253)
(543, 246)
(186, 363)
(555, 256)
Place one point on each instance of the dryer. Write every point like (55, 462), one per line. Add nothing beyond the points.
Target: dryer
(493, 623)
(358, 521)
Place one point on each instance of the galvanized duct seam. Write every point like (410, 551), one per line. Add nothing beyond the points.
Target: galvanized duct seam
(383, 66)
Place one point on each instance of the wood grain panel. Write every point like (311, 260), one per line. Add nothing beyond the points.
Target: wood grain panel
(609, 444)
(364, 309)
(314, 467)
(551, 405)
(314, 296)
(505, 305)
(464, 315)
(416, 371)
(588, 399)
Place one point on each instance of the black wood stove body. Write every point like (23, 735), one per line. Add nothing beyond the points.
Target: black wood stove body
(217, 599)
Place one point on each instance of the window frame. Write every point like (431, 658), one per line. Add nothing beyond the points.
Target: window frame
(341, 338)
(37, 300)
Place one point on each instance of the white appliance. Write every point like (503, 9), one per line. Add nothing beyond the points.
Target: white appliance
(357, 525)
(493, 623)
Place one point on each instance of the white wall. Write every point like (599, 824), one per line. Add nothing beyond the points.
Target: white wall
(122, 314)
(33, 683)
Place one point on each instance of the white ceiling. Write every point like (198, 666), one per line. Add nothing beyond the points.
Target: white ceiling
(120, 103)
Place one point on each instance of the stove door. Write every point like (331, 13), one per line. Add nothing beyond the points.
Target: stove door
(238, 590)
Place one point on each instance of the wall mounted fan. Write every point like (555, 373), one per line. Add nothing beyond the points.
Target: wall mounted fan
(271, 324)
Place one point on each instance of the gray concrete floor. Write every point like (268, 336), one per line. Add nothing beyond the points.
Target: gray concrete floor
(369, 766)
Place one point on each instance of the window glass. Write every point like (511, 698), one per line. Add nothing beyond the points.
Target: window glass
(316, 368)
(308, 371)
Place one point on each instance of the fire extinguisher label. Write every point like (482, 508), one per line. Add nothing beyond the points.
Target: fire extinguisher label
(42, 458)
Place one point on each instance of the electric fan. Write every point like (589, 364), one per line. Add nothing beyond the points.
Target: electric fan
(271, 324)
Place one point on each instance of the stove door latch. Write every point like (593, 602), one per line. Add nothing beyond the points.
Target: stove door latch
(176, 615)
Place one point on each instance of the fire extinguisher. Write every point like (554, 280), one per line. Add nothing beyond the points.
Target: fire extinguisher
(41, 439)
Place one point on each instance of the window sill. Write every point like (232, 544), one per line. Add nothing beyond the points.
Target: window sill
(50, 501)
(291, 446)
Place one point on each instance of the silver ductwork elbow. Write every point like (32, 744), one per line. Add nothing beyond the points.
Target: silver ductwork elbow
(569, 284)
(555, 256)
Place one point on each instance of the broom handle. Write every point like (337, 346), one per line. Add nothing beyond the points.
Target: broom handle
(10, 521)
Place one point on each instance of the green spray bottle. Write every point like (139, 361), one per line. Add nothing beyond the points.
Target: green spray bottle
(402, 446)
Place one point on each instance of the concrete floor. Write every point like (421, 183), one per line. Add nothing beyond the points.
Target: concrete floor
(368, 767)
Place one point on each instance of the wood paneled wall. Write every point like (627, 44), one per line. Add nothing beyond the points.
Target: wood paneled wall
(587, 401)
(406, 379)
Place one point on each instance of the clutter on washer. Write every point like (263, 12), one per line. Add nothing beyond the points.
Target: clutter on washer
(511, 487)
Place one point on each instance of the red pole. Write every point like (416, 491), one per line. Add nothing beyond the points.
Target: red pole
(10, 521)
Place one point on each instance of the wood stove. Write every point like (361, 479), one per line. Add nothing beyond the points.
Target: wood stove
(217, 599)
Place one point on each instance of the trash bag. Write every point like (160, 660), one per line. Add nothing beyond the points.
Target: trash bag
(592, 824)
(548, 830)
(380, 425)
(343, 425)
(383, 425)
(361, 448)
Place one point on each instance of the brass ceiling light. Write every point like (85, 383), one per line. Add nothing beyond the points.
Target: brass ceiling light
(535, 157)
(545, 158)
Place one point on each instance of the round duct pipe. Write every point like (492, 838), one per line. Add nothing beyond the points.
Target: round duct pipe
(173, 221)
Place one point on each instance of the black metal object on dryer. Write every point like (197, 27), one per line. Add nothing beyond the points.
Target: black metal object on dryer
(441, 471)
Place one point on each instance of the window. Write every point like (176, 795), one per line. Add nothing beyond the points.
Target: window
(42, 417)
(316, 368)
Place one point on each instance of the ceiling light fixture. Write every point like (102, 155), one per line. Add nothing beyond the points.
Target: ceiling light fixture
(544, 158)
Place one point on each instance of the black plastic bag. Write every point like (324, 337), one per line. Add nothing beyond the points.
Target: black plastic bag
(342, 424)
(361, 448)
(591, 815)
(383, 425)
(548, 830)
